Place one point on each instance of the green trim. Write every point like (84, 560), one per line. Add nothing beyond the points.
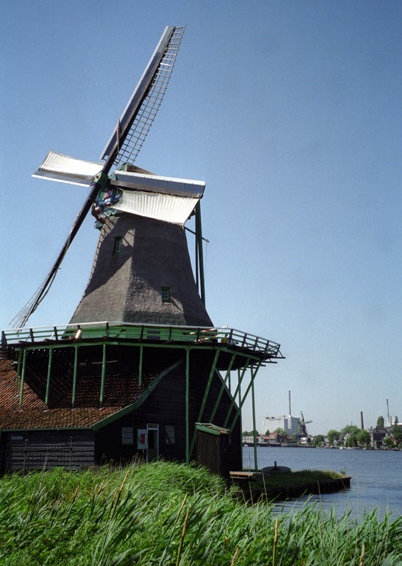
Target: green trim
(129, 408)
(40, 337)
(205, 346)
(211, 429)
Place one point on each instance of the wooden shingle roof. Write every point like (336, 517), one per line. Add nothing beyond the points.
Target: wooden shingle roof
(33, 413)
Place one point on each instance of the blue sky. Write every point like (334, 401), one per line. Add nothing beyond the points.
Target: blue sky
(291, 113)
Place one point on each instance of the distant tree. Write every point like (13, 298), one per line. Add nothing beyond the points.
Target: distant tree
(397, 434)
(363, 438)
(333, 435)
(380, 422)
(318, 440)
(280, 431)
(250, 433)
(351, 440)
(267, 432)
(349, 433)
(388, 442)
(350, 429)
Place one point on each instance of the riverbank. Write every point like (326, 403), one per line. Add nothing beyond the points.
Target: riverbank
(165, 513)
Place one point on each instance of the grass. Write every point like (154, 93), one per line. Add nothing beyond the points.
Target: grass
(172, 514)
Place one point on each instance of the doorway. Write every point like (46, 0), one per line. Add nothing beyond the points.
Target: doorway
(153, 442)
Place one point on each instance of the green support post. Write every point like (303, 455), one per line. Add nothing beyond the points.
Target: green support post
(74, 376)
(240, 379)
(253, 374)
(254, 433)
(24, 359)
(218, 399)
(18, 375)
(49, 372)
(102, 387)
(200, 254)
(205, 397)
(187, 400)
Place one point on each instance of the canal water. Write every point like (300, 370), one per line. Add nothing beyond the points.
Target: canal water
(376, 476)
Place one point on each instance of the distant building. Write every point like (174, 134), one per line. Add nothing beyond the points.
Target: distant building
(377, 436)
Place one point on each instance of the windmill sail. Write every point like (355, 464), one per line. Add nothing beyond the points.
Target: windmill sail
(59, 167)
(162, 198)
(124, 145)
(139, 114)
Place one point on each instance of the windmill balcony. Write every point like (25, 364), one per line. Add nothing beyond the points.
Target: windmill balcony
(229, 340)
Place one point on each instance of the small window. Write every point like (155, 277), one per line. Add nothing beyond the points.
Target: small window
(117, 244)
(170, 437)
(165, 294)
(127, 435)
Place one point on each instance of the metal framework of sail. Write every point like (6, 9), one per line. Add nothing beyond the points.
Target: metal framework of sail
(124, 144)
(140, 112)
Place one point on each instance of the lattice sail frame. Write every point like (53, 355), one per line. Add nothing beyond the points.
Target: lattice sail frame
(149, 104)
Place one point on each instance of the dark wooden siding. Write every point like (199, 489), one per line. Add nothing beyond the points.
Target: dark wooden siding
(213, 452)
(166, 406)
(43, 450)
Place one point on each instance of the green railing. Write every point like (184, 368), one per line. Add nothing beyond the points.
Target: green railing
(140, 332)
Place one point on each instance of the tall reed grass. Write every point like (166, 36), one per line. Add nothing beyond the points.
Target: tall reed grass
(172, 514)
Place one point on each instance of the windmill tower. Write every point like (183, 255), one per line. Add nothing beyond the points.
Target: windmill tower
(139, 369)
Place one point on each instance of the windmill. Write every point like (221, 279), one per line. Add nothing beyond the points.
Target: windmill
(139, 369)
(125, 200)
(302, 425)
